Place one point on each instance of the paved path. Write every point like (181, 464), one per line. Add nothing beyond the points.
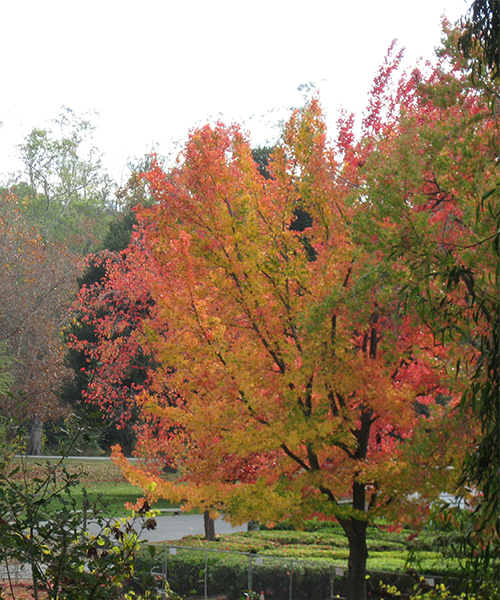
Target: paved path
(170, 528)
(175, 527)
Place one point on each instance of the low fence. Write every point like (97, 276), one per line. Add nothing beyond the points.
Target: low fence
(207, 572)
(14, 571)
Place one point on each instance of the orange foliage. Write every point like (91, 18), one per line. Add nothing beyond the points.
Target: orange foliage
(288, 366)
(37, 281)
(287, 378)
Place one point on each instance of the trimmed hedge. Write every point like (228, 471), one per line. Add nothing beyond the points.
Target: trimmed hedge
(228, 574)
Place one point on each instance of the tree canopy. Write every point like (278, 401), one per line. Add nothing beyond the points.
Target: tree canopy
(297, 328)
(64, 189)
(37, 282)
(288, 379)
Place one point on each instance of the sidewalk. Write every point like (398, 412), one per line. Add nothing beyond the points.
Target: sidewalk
(169, 528)
(175, 527)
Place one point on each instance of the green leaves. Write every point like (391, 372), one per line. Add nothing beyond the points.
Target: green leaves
(43, 527)
(68, 196)
(479, 38)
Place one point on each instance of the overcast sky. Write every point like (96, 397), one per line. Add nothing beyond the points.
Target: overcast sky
(153, 70)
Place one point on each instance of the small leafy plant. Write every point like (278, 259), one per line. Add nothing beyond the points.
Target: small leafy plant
(249, 595)
(42, 526)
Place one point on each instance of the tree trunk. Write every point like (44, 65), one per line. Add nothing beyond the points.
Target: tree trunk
(209, 526)
(358, 553)
(355, 530)
(35, 427)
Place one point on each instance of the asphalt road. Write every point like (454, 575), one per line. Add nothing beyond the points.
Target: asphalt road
(170, 528)
(175, 527)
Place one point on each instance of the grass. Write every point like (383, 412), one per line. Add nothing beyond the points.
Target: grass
(99, 478)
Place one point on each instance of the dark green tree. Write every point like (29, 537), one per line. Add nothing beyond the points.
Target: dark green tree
(480, 38)
(262, 156)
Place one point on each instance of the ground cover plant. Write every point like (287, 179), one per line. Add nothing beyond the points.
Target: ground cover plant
(391, 551)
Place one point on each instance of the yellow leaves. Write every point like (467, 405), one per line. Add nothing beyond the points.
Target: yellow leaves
(279, 336)
(270, 502)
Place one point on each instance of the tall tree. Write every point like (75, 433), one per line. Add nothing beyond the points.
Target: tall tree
(37, 281)
(435, 175)
(297, 383)
(67, 192)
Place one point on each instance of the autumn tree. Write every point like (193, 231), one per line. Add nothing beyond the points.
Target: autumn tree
(37, 283)
(101, 315)
(299, 387)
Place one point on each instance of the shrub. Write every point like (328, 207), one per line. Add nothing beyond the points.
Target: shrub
(228, 574)
(42, 527)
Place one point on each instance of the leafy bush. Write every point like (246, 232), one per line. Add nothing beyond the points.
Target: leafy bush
(185, 572)
(228, 574)
(41, 526)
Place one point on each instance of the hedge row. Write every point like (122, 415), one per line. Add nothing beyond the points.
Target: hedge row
(228, 574)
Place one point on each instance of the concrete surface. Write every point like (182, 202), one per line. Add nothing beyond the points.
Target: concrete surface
(174, 527)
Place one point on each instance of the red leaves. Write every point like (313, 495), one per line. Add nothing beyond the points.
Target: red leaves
(118, 359)
(381, 107)
(278, 361)
(282, 345)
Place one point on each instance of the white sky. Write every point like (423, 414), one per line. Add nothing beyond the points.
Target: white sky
(155, 69)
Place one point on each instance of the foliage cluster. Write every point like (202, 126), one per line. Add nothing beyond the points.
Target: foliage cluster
(277, 308)
(480, 38)
(95, 314)
(36, 284)
(64, 189)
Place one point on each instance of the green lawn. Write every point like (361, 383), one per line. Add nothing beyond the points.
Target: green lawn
(98, 477)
